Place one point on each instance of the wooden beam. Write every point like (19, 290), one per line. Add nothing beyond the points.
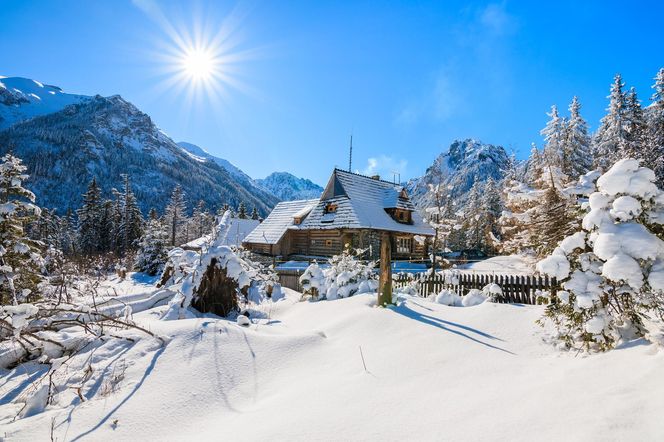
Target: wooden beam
(385, 279)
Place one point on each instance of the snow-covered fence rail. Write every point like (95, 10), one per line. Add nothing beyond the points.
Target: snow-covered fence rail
(521, 289)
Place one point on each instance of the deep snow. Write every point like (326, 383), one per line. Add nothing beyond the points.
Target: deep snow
(433, 373)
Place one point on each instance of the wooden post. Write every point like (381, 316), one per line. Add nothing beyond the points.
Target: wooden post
(385, 279)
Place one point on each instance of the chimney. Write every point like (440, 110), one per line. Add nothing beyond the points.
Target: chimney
(375, 177)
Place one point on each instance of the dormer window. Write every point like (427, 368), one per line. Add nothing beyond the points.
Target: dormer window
(403, 194)
(330, 208)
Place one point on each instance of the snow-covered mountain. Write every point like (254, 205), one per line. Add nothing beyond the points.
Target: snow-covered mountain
(22, 99)
(464, 163)
(73, 138)
(288, 187)
(242, 178)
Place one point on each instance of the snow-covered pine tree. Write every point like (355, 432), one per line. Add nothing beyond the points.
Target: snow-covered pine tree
(533, 167)
(441, 217)
(130, 227)
(89, 220)
(654, 158)
(152, 214)
(152, 251)
(578, 152)
(254, 213)
(175, 217)
(20, 256)
(202, 222)
(107, 227)
(492, 208)
(242, 211)
(611, 138)
(636, 127)
(554, 134)
(473, 219)
(612, 270)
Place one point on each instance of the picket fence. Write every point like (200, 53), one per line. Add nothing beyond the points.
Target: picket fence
(520, 289)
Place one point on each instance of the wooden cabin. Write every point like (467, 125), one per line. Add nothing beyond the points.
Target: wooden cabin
(354, 209)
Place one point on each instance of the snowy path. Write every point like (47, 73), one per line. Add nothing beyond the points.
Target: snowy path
(434, 372)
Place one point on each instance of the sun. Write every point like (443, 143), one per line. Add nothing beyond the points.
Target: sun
(199, 64)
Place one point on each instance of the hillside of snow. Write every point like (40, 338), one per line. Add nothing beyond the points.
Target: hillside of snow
(288, 187)
(66, 140)
(433, 372)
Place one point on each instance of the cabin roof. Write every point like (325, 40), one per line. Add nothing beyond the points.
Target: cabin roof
(361, 202)
(280, 219)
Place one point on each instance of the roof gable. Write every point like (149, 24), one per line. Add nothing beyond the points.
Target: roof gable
(334, 188)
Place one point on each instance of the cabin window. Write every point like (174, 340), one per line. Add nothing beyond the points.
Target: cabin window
(404, 245)
(328, 243)
(330, 208)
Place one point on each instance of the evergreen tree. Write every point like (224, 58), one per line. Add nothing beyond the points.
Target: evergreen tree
(89, 217)
(578, 152)
(254, 213)
(533, 165)
(152, 252)
(635, 121)
(654, 158)
(175, 217)
(201, 220)
(491, 210)
(130, 225)
(20, 256)
(473, 219)
(611, 138)
(107, 227)
(554, 137)
(242, 211)
(153, 215)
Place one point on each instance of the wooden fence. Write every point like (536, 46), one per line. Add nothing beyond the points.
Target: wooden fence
(519, 289)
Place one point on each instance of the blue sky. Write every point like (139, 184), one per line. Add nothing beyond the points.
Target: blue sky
(405, 77)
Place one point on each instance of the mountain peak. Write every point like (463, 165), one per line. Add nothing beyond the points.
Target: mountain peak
(288, 187)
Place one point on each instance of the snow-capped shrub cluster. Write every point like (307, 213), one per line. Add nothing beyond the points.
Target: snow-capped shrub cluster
(474, 297)
(190, 273)
(612, 271)
(345, 276)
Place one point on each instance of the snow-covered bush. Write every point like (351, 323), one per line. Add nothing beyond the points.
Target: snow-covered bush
(219, 279)
(492, 292)
(612, 271)
(345, 276)
(448, 297)
(473, 297)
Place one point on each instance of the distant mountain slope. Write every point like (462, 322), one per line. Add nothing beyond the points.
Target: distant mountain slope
(242, 178)
(22, 99)
(288, 187)
(104, 138)
(465, 162)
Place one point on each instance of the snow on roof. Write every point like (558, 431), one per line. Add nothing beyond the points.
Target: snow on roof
(237, 232)
(361, 202)
(280, 219)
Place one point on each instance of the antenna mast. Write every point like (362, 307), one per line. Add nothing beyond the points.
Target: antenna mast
(350, 156)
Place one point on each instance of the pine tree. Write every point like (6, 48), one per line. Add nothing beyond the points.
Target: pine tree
(131, 223)
(611, 138)
(89, 217)
(473, 215)
(153, 215)
(254, 213)
(242, 211)
(533, 166)
(152, 252)
(578, 151)
(201, 220)
(175, 217)
(20, 256)
(491, 210)
(636, 127)
(654, 158)
(107, 227)
(554, 137)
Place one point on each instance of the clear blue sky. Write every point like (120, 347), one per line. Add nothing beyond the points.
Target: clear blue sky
(406, 77)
